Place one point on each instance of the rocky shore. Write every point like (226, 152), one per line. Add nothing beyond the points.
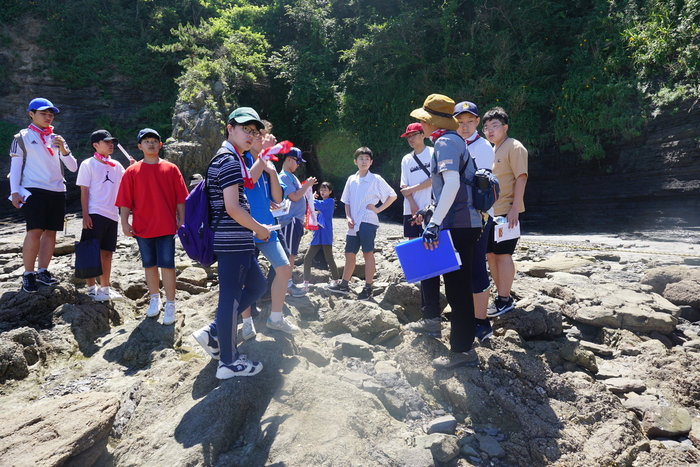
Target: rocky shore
(598, 365)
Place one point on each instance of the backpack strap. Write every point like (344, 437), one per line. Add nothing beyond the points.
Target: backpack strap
(221, 151)
(420, 164)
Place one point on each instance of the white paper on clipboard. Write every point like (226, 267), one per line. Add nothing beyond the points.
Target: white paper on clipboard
(23, 193)
(501, 232)
(283, 209)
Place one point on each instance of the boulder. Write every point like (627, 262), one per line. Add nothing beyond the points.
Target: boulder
(580, 356)
(68, 430)
(364, 320)
(195, 276)
(625, 385)
(444, 447)
(666, 421)
(559, 262)
(684, 292)
(659, 278)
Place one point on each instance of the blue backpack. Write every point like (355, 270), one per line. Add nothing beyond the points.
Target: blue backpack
(196, 234)
(485, 186)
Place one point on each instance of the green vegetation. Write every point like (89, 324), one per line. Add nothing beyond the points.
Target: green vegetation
(576, 77)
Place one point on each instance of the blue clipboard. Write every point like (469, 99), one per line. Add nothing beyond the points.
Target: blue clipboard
(419, 263)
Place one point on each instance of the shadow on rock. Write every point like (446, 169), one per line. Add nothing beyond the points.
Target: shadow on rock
(148, 337)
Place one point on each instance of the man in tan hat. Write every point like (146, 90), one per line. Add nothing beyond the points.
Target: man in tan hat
(454, 211)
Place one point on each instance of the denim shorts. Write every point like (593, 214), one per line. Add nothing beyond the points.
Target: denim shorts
(157, 251)
(274, 253)
(365, 237)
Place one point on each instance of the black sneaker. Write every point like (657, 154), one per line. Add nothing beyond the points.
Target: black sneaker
(501, 306)
(483, 331)
(46, 278)
(29, 283)
(340, 288)
(366, 293)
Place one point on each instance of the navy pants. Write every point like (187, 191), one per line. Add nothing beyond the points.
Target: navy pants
(241, 282)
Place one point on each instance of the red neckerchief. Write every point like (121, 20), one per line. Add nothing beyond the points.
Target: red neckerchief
(104, 159)
(436, 134)
(247, 180)
(43, 133)
(471, 141)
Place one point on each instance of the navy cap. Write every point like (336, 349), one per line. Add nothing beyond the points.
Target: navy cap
(102, 135)
(148, 132)
(466, 106)
(296, 154)
(41, 104)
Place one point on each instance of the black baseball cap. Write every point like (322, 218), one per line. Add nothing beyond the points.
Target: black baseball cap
(102, 135)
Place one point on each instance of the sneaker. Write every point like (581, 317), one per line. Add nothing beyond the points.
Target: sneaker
(248, 331)
(366, 293)
(295, 291)
(46, 278)
(457, 359)
(154, 307)
(501, 306)
(209, 343)
(340, 288)
(29, 283)
(97, 294)
(283, 325)
(331, 283)
(113, 294)
(483, 331)
(426, 326)
(241, 367)
(169, 313)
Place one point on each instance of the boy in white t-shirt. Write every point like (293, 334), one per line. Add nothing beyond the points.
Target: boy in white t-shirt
(98, 178)
(416, 185)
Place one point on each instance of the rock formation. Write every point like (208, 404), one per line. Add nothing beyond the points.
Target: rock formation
(596, 366)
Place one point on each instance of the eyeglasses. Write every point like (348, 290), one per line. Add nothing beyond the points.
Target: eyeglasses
(250, 131)
(492, 128)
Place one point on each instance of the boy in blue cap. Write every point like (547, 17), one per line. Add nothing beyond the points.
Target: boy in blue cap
(38, 188)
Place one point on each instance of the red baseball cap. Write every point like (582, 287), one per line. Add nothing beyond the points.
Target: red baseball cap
(412, 128)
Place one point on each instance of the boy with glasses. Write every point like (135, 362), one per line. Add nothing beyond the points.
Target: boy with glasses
(510, 166)
(154, 191)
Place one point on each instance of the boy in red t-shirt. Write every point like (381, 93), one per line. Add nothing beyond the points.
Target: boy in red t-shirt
(154, 191)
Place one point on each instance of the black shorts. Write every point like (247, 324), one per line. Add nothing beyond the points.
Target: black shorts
(105, 230)
(506, 247)
(45, 209)
(411, 231)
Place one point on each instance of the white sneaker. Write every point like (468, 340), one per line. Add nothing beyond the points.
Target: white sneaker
(113, 294)
(154, 307)
(97, 294)
(283, 325)
(248, 331)
(169, 313)
(209, 343)
(241, 367)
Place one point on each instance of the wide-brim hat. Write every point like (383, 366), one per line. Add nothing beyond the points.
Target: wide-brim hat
(437, 110)
(246, 115)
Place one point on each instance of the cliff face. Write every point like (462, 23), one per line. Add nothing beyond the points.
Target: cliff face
(25, 76)
(652, 182)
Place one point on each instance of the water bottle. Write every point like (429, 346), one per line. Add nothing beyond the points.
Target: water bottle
(501, 220)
